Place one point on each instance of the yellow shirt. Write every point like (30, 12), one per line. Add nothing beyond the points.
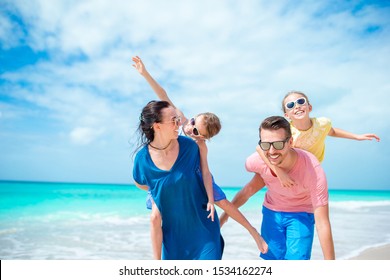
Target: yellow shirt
(313, 139)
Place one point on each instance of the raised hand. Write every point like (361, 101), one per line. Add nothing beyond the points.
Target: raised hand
(139, 65)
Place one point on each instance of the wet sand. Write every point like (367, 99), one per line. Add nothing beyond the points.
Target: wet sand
(374, 253)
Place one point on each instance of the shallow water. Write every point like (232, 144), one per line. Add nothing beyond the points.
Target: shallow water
(94, 221)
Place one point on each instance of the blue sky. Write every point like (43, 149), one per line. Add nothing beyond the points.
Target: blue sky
(70, 99)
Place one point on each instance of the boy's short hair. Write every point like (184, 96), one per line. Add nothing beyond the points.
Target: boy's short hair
(211, 123)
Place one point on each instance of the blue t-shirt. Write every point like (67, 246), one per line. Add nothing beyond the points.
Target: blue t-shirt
(181, 198)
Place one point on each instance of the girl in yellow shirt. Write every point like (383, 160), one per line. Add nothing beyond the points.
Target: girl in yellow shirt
(309, 133)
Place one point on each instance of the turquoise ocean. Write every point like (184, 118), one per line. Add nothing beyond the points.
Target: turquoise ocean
(70, 221)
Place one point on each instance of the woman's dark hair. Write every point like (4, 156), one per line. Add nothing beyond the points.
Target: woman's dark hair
(150, 114)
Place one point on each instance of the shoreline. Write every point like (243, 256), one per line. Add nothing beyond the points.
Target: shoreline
(380, 252)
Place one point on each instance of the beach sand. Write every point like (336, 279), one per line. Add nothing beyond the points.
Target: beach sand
(374, 253)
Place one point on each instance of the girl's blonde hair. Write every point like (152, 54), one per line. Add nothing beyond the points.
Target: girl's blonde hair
(291, 93)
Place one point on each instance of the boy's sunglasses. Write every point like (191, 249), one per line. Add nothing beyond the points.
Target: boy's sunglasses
(300, 101)
(195, 131)
(278, 145)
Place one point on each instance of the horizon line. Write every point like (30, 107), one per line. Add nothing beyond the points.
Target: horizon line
(132, 184)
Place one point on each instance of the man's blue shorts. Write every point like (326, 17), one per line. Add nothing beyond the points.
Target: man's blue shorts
(289, 235)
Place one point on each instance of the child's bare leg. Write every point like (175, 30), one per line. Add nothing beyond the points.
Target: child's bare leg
(156, 232)
(233, 212)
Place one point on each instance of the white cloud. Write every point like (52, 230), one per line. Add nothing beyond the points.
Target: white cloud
(84, 135)
(9, 33)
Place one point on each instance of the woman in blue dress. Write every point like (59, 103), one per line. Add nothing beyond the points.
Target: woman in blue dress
(169, 166)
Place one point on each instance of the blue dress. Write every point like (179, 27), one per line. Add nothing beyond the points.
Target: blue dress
(181, 198)
(217, 193)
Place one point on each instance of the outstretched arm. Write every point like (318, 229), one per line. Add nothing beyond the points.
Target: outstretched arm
(337, 132)
(206, 175)
(283, 177)
(160, 92)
